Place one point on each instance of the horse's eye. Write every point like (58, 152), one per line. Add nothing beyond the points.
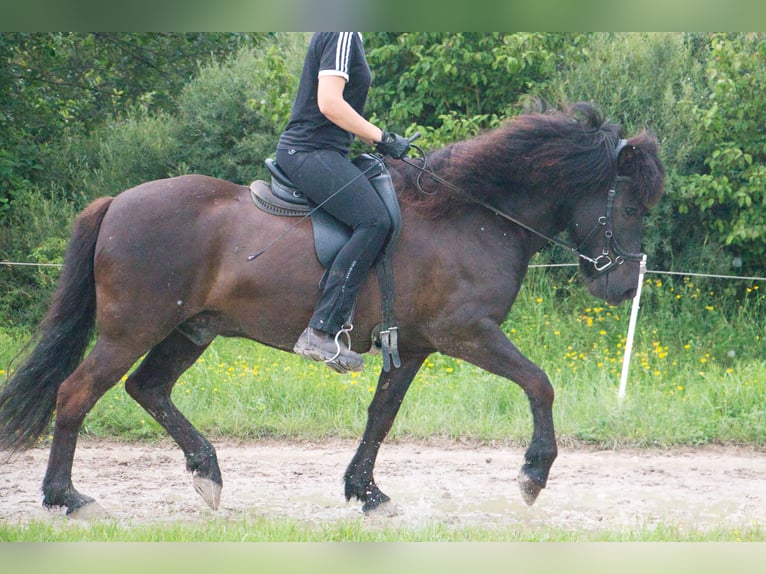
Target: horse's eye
(631, 211)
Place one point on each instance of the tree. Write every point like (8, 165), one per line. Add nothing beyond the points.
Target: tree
(84, 115)
(53, 84)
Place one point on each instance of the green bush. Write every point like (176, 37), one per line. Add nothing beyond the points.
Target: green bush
(728, 195)
(227, 121)
(36, 232)
(230, 117)
(430, 79)
(640, 80)
(137, 149)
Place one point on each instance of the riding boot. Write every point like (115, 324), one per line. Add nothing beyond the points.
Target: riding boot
(320, 346)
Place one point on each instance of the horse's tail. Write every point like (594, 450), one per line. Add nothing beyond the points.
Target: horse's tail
(28, 397)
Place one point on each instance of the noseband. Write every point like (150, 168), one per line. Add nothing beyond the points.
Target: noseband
(612, 254)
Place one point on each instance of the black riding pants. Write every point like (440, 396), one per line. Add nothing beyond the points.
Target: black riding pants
(319, 174)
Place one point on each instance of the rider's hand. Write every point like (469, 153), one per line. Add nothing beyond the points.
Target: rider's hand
(393, 145)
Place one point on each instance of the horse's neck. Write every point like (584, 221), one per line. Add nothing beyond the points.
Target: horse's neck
(542, 214)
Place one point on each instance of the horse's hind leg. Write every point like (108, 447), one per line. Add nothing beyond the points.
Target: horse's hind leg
(151, 384)
(100, 370)
(392, 387)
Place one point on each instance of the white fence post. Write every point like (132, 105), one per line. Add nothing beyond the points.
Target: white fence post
(631, 332)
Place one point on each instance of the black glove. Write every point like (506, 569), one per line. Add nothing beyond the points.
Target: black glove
(393, 145)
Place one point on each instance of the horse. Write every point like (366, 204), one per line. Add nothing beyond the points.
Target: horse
(158, 271)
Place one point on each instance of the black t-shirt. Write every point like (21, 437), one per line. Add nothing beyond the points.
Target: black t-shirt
(329, 53)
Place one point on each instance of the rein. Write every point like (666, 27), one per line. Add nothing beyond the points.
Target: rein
(603, 263)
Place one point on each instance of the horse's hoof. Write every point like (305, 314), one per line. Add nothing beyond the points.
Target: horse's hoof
(529, 488)
(374, 501)
(90, 511)
(383, 509)
(209, 491)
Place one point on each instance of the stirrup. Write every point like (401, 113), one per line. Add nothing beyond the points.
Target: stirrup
(345, 330)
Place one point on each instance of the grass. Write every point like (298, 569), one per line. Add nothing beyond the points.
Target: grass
(254, 529)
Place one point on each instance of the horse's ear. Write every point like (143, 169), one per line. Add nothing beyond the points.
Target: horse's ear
(626, 158)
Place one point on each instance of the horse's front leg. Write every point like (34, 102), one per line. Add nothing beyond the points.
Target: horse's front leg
(489, 349)
(392, 387)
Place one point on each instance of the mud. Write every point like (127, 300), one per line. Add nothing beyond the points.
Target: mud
(442, 482)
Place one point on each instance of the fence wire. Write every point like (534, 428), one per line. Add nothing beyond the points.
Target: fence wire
(534, 266)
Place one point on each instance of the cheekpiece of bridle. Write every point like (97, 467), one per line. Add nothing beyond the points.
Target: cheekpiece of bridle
(612, 254)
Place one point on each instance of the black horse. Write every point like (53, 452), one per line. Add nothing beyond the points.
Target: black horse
(168, 258)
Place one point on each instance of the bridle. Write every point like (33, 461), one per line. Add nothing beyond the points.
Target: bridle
(612, 253)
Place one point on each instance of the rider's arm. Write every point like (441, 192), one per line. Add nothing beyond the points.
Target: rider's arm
(339, 111)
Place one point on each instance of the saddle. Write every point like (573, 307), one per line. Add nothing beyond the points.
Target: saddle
(281, 197)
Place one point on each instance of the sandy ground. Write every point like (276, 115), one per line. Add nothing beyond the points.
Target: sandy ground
(450, 483)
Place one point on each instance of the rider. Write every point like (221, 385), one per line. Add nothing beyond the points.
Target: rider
(314, 151)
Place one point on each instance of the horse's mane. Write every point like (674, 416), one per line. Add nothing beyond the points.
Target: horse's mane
(570, 152)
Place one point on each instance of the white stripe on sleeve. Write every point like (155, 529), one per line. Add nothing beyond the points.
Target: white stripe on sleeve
(342, 52)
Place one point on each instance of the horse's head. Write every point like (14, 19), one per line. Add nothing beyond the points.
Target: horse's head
(607, 225)
(548, 171)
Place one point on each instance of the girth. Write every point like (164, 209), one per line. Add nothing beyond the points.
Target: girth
(283, 198)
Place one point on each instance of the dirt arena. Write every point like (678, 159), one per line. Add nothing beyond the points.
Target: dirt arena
(450, 483)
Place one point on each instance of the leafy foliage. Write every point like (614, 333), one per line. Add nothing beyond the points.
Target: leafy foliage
(70, 133)
(70, 83)
(640, 81)
(231, 115)
(465, 80)
(728, 196)
(83, 115)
